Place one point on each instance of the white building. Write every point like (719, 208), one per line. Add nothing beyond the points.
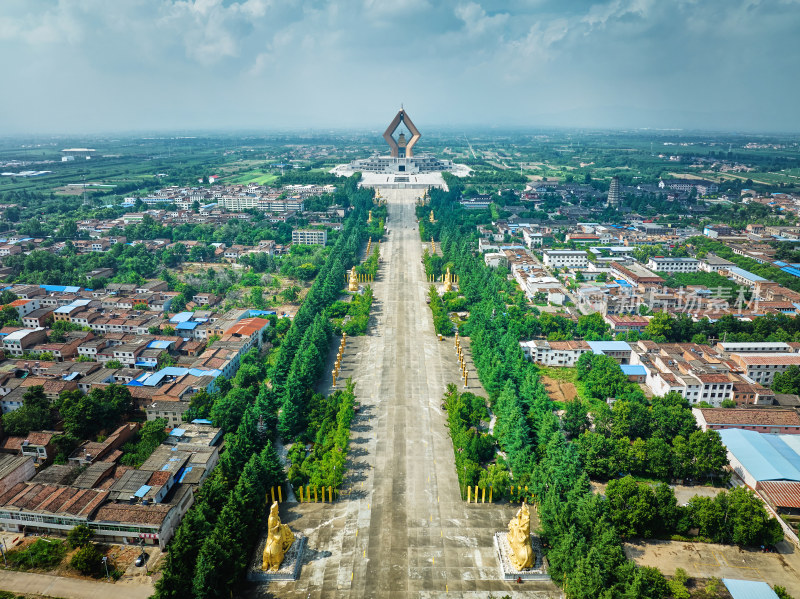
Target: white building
(755, 347)
(309, 236)
(713, 263)
(554, 353)
(762, 368)
(665, 264)
(566, 258)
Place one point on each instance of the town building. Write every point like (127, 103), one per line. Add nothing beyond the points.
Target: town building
(713, 263)
(565, 258)
(764, 420)
(762, 368)
(673, 265)
(309, 236)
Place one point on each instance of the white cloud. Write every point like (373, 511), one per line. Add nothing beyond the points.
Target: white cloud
(299, 60)
(477, 22)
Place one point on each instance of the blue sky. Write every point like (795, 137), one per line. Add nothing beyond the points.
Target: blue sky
(101, 65)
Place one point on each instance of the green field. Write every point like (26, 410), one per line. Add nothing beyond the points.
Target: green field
(257, 177)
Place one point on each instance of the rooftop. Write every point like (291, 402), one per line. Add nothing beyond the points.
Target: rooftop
(776, 359)
(758, 417)
(765, 456)
(748, 589)
(782, 493)
(745, 274)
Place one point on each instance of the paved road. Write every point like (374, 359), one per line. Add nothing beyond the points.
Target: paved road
(70, 588)
(403, 531)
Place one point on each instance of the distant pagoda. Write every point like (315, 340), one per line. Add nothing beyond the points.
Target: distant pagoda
(614, 198)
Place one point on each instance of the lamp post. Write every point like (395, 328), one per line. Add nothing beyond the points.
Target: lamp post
(105, 563)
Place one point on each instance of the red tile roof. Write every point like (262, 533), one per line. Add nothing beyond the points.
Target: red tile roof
(744, 417)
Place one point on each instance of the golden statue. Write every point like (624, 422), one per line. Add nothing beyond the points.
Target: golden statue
(448, 283)
(279, 539)
(353, 286)
(519, 537)
(431, 217)
(369, 218)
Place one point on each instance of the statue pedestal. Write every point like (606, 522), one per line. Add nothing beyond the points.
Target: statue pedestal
(507, 571)
(290, 567)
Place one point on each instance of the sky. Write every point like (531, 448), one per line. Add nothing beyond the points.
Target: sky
(84, 66)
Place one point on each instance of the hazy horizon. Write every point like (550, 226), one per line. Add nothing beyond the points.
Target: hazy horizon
(89, 66)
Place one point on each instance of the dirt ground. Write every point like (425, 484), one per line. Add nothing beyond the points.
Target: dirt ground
(559, 390)
(702, 560)
(122, 556)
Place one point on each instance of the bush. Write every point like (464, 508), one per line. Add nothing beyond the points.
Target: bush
(43, 553)
(88, 560)
(677, 585)
(781, 592)
(80, 536)
(441, 319)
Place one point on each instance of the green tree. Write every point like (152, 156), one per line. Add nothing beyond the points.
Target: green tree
(35, 414)
(659, 329)
(9, 317)
(781, 592)
(632, 507)
(677, 585)
(787, 382)
(576, 418)
(290, 294)
(80, 536)
(88, 560)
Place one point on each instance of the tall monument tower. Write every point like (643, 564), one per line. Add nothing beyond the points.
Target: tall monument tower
(401, 148)
(614, 198)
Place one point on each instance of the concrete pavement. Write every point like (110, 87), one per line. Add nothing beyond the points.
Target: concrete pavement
(70, 588)
(401, 529)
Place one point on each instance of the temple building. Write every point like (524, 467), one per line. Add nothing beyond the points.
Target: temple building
(402, 167)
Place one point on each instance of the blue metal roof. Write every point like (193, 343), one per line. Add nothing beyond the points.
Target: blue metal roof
(153, 379)
(143, 490)
(599, 347)
(187, 326)
(201, 421)
(633, 369)
(623, 283)
(749, 589)
(791, 270)
(746, 274)
(178, 432)
(764, 456)
(60, 288)
(158, 344)
(181, 317)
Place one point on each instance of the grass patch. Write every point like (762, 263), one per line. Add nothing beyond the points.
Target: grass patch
(43, 554)
(257, 177)
(569, 375)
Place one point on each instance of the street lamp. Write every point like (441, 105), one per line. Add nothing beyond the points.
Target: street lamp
(105, 563)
